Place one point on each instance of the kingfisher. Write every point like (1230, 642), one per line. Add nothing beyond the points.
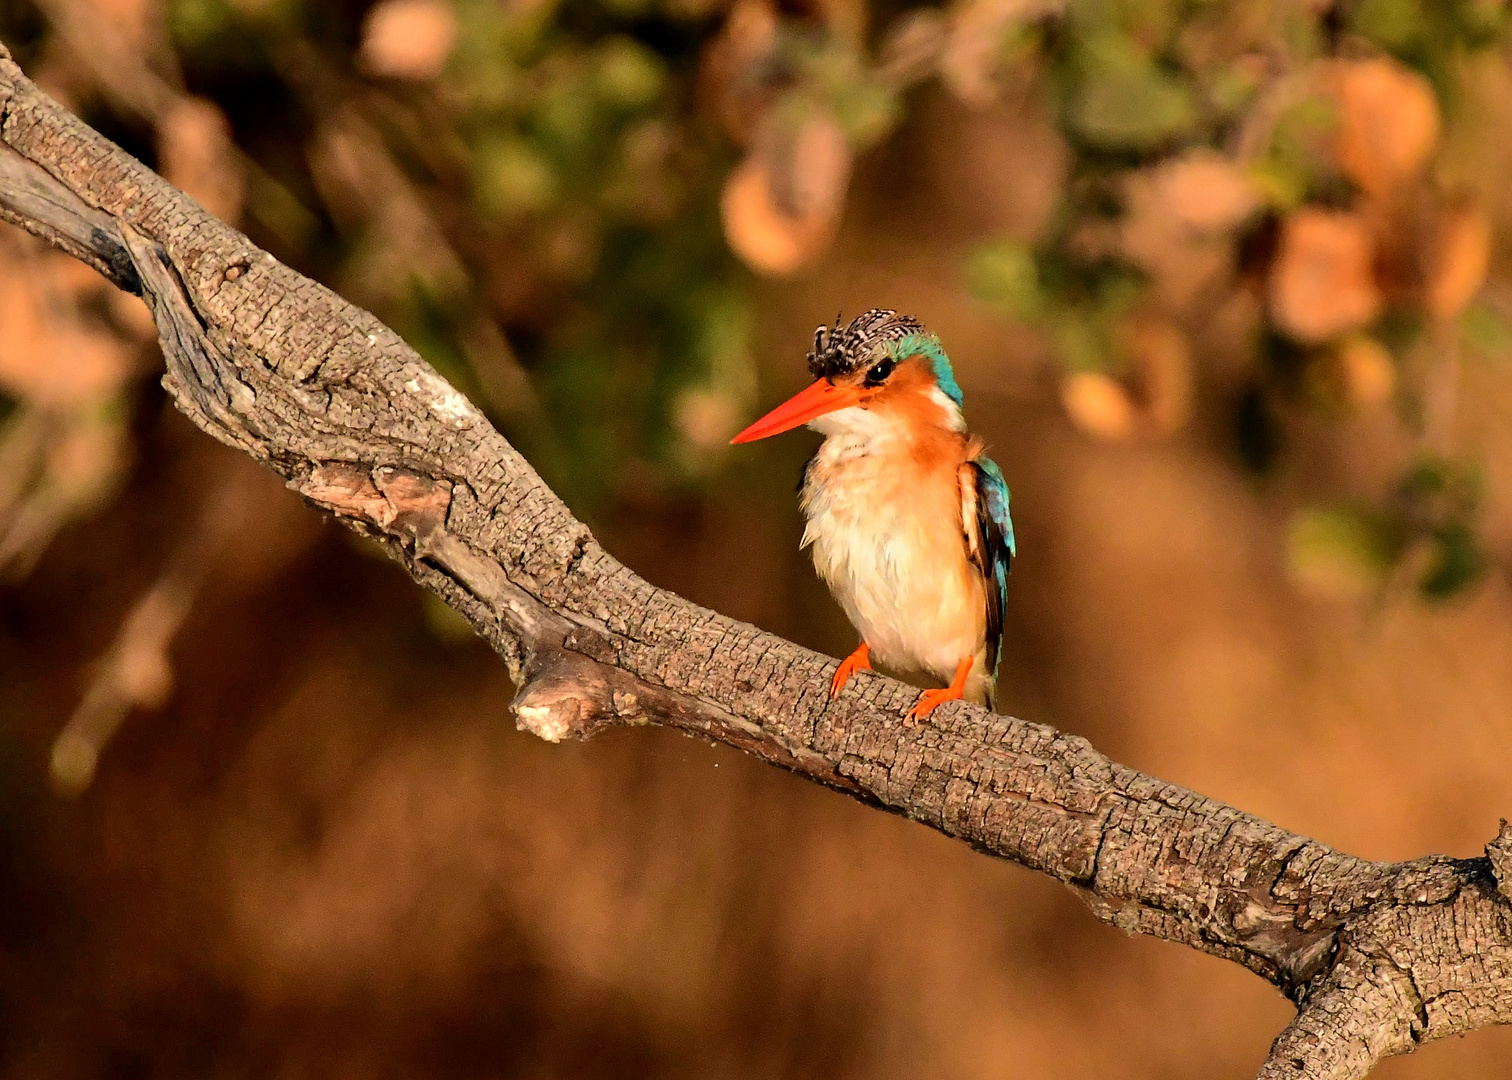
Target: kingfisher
(906, 517)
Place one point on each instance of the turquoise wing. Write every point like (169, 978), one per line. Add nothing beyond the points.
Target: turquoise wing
(992, 546)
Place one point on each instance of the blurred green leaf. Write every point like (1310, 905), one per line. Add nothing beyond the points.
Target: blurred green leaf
(1457, 562)
(196, 23)
(866, 111)
(1482, 21)
(1440, 500)
(1396, 25)
(627, 74)
(1004, 273)
(1231, 89)
(1487, 330)
(1342, 552)
(1441, 489)
(628, 9)
(565, 121)
(1297, 163)
(511, 176)
(1125, 101)
(1079, 344)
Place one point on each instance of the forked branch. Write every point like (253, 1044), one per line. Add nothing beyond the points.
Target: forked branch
(1378, 956)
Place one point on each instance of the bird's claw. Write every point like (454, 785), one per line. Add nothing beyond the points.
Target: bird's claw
(928, 702)
(860, 660)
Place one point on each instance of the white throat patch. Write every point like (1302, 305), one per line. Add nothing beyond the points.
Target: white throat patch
(855, 423)
(953, 418)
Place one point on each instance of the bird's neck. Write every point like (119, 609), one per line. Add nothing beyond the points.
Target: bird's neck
(876, 440)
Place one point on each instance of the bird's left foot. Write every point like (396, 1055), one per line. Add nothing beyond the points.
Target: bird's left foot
(860, 660)
(930, 700)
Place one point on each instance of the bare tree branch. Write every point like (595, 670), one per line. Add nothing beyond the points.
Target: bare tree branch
(1379, 957)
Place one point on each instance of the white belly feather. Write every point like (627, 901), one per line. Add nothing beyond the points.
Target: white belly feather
(891, 548)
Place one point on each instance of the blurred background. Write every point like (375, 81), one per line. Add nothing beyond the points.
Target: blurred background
(1227, 284)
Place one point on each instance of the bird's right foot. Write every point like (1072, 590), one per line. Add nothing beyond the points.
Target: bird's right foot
(930, 700)
(860, 660)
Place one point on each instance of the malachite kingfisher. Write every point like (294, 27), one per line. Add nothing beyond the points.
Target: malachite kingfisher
(907, 518)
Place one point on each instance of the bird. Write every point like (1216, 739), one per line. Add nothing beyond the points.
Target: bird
(906, 517)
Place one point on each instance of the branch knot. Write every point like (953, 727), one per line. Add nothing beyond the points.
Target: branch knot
(563, 699)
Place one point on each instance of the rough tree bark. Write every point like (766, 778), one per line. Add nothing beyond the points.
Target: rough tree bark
(1378, 957)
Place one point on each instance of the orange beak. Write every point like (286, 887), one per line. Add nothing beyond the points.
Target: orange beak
(820, 398)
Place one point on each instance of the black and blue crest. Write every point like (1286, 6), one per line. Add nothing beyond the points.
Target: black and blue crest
(839, 352)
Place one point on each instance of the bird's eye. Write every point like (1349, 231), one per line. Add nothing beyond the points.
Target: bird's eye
(878, 373)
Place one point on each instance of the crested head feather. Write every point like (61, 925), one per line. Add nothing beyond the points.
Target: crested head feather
(839, 352)
(872, 335)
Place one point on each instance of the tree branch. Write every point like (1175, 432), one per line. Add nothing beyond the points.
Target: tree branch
(1379, 956)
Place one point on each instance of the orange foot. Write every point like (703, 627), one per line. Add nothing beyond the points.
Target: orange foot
(860, 660)
(930, 700)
